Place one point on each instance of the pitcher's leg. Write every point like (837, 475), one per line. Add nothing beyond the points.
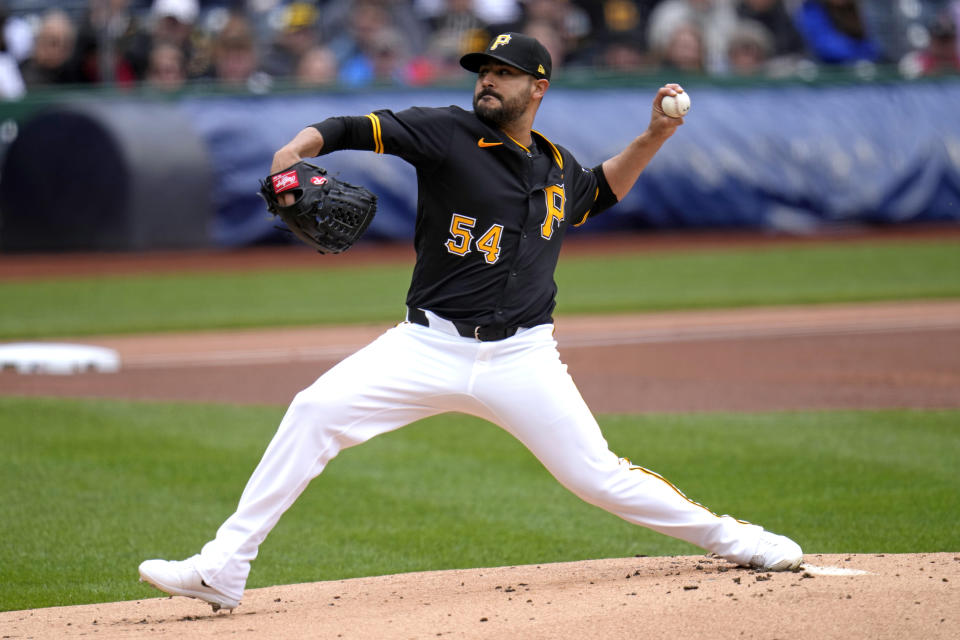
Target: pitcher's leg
(536, 401)
(367, 394)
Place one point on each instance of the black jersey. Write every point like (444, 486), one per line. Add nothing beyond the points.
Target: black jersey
(491, 213)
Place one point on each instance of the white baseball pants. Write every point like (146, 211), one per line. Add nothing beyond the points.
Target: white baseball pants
(412, 372)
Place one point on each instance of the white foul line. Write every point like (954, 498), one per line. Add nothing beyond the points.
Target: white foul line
(832, 571)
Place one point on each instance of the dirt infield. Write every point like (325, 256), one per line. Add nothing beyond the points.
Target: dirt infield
(833, 596)
(831, 356)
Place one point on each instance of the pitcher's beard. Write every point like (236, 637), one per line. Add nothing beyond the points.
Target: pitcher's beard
(499, 116)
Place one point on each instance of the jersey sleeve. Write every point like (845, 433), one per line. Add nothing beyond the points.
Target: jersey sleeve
(419, 135)
(592, 194)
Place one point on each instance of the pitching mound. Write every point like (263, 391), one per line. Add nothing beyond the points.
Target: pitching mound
(832, 596)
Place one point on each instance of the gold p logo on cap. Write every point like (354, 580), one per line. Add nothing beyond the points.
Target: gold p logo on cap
(503, 38)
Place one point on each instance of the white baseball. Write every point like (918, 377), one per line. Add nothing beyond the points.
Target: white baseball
(676, 106)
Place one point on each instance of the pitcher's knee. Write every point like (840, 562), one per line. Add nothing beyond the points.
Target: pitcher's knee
(314, 413)
(597, 487)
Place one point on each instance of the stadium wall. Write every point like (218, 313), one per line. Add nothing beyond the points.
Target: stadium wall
(792, 158)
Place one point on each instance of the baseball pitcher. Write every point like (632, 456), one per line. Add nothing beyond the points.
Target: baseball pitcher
(495, 201)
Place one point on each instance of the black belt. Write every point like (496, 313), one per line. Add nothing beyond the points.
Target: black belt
(466, 330)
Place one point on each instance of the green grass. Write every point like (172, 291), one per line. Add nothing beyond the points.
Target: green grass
(619, 283)
(760, 276)
(90, 488)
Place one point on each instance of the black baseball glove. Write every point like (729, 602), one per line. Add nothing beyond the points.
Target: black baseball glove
(327, 214)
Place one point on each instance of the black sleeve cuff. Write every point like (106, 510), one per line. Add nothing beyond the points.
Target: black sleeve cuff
(333, 131)
(606, 198)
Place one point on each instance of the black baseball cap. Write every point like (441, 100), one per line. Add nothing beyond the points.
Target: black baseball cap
(515, 49)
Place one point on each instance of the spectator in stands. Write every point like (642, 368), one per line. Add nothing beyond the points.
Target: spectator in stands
(554, 42)
(383, 59)
(453, 32)
(366, 19)
(614, 17)
(17, 33)
(616, 39)
(391, 58)
(11, 82)
(563, 22)
(234, 52)
(317, 68)
(170, 22)
(835, 33)
(681, 49)
(773, 15)
(749, 48)
(624, 52)
(498, 13)
(374, 50)
(173, 22)
(298, 35)
(347, 25)
(714, 19)
(901, 29)
(167, 68)
(52, 51)
(942, 55)
(110, 22)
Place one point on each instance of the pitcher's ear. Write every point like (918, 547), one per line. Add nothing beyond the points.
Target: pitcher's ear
(540, 87)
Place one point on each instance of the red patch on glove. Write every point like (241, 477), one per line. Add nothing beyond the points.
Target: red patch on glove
(285, 181)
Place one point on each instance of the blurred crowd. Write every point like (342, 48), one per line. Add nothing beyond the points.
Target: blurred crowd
(253, 44)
